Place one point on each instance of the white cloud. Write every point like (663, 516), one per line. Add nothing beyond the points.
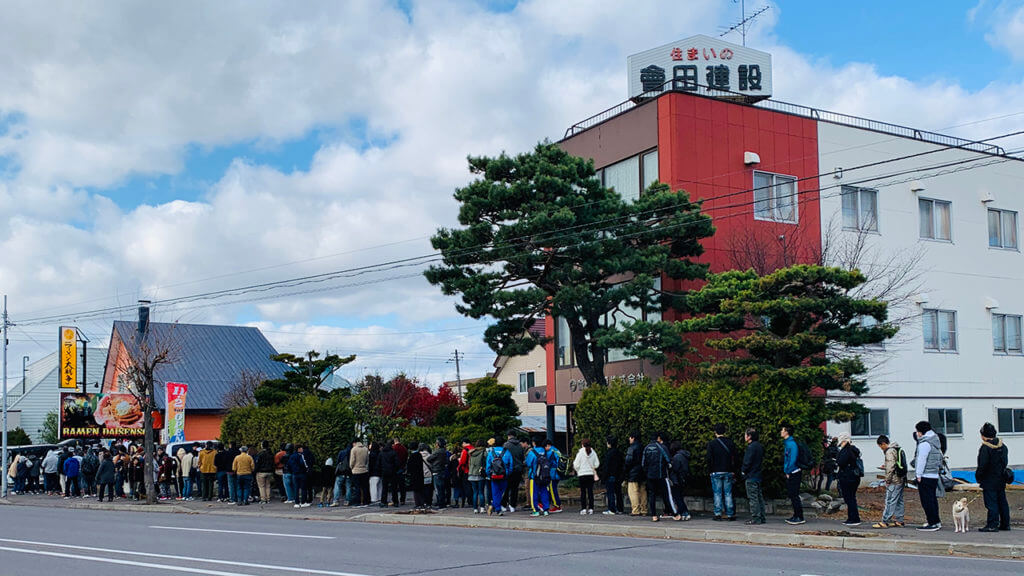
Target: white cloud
(99, 94)
(1007, 22)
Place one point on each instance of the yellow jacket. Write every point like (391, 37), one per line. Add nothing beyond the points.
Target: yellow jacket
(243, 464)
(206, 465)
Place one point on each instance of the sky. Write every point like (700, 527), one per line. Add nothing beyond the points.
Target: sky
(160, 151)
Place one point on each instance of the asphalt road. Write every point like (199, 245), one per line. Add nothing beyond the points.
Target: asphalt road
(36, 540)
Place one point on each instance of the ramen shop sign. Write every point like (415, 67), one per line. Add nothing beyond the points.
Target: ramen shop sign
(702, 65)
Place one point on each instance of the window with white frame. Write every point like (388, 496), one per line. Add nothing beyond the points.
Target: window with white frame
(939, 327)
(936, 223)
(1002, 228)
(775, 197)
(527, 380)
(1011, 420)
(629, 314)
(948, 421)
(860, 209)
(1006, 333)
(874, 423)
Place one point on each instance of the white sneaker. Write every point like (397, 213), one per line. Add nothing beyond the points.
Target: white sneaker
(583, 512)
(608, 513)
(289, 501)
(298, 506)
(511, 509)
(306, 505)
(590, 511)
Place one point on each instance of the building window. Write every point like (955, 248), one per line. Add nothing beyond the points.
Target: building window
(935, 219)
(874, 423)
(860, 209)
(624, 178)
(630, 314)
(775, 197)
(948, 421)
(650, 169)
(526, 381)
(1011, 420)
(1002, 228)
(868, 322)
(939, 330)
(1006, 334)
(563, 344)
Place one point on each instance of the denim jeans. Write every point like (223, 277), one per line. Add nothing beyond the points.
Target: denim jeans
(613, 494)
(289, 487)
(894, 506)
(479, 499)
(340, 488)
(186, 491)
(233, 487)
(721, 485)
(222, 485)
(440, 493)
(756, 499)
(243, 488)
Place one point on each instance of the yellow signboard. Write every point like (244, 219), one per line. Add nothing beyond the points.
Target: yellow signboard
(68, 373)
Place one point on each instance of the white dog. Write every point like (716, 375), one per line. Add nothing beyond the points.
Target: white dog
(961, 516)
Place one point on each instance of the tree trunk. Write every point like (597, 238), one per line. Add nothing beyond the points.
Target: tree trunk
(592, 370)
(147, 423)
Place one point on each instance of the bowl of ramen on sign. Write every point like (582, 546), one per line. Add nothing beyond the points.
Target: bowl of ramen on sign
(118, 411)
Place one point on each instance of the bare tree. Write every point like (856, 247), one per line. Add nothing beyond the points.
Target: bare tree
(243, 391)
(145, 353)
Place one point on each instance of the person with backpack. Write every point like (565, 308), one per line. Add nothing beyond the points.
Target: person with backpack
(515, 477)
(927, 463)
(499, 463)
(538, 467)
(559, 469)
(794, 474)
(656, 462)
(90, 465)
(477, 475)
(753, 475)
(851, 470)
(611, 471)
(342, 478)
(678, 472)
(586, 465)
(71, 472)
(895, 469)
(388, 475)
(635, 485)
(992, 477)
(721, 458)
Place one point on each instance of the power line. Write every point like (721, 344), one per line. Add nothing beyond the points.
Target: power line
(428, 258)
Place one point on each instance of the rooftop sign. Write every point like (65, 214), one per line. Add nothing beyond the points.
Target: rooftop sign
(703, 65)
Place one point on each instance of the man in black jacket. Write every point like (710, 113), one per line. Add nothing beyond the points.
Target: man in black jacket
(611, 471)
(635, 476)
(992, 460)
(264, 471)
(515, 476)
(721, 458)
(438, 463)
(753, 462)
(223, 461)
(656, 464)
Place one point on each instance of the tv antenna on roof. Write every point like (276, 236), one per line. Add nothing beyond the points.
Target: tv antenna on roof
(744, 20)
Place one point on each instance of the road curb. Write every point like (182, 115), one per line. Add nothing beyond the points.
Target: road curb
(1005, 551)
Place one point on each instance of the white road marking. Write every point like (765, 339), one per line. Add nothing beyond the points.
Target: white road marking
(184, 558)
(242, 532)
(124, 562)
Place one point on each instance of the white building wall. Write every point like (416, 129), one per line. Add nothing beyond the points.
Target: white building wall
(963, 275)
(534, 362)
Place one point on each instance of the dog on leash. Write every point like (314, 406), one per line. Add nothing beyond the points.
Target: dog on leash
(961, 516)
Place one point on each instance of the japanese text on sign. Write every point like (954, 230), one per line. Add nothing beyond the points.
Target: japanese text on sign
(68, 371)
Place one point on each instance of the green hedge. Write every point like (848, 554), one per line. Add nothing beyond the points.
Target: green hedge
(323, 425)
(688, 411)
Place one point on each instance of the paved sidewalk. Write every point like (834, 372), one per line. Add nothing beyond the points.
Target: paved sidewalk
(824, 532)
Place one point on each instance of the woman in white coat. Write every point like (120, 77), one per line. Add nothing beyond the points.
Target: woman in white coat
(586, 464)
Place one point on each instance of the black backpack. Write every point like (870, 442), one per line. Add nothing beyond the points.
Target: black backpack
(498, 465)
(543, 475)
(90, 464)
(804, 457)
(901, 464)
(344, 468)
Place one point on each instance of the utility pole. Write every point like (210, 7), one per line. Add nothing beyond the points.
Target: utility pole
(147, 403)
(24, 373)
(6, 327)
(458, 371)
